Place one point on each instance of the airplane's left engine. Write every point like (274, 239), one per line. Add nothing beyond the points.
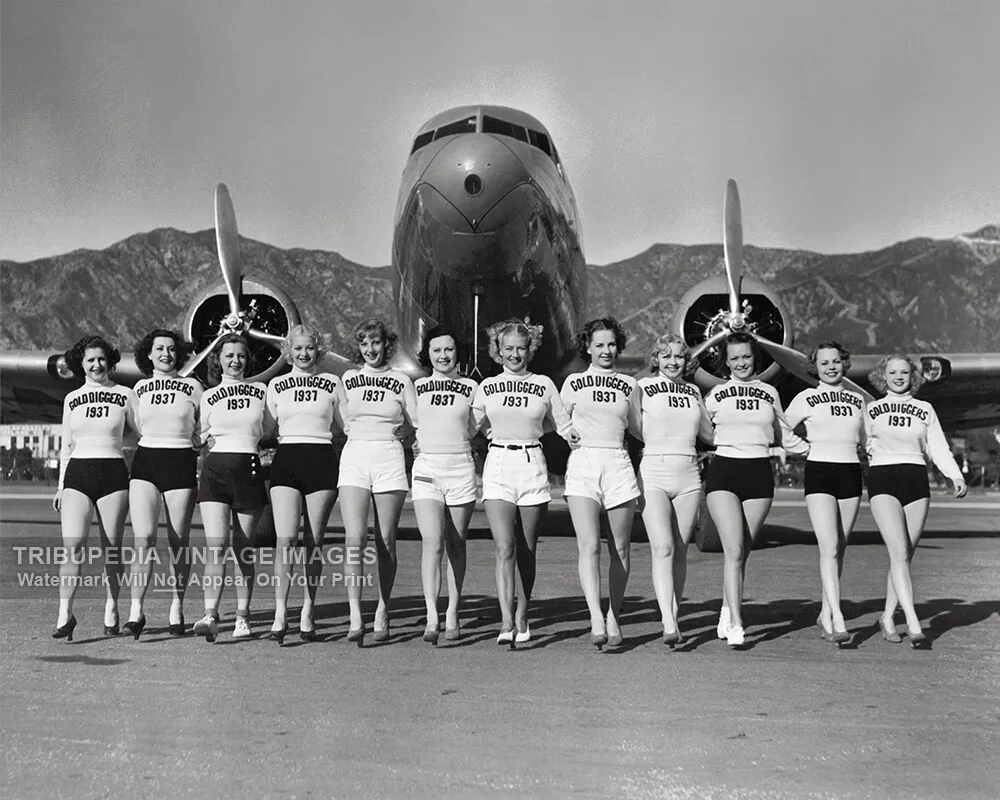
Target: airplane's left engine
(273, 312)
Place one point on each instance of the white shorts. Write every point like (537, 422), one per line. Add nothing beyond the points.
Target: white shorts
(603, 474)
(518, 476)
(449, 478)
(376, 466)
(674, 475)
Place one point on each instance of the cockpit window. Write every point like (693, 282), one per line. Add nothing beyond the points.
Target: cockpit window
(422, 140)
(541, 141)
(498, 126)
(467, 125)
(520, 132)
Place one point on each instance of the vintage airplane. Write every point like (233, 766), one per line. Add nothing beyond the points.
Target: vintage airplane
(486, 227)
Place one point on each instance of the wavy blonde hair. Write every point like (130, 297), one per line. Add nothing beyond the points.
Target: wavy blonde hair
(531, 333)
(321, 340)
(877, 375)
(661, 344)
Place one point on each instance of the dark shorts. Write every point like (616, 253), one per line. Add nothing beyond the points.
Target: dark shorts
(747, 478)
(166, 468)
(840, 480)
(905, 482)
(235, 479)
(96, 477)
(307, 468)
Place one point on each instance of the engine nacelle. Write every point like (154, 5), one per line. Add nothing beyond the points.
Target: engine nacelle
(274, 313)
(700, 314)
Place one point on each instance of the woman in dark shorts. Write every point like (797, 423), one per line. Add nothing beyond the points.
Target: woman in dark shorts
(902, 432)
(834, 418)
(303, 403)
(92, 475)
(233, 422)
(740, 485)
(164, 470)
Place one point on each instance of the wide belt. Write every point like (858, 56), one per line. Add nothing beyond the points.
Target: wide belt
(514, 446)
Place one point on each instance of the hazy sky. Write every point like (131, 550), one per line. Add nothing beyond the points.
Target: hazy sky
(848, 125)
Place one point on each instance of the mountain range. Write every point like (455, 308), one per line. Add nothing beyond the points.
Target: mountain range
(917, 295)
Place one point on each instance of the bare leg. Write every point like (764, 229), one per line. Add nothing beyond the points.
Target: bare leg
(585, 514)
(144, 504)
(620, 521)
(891, 523)
(354, 504)
(388, 507)
(658, 517)
(727, 514)
(431, 523)
(180, 508)
(685, 514)
(216, 519)
(76, 514)
(111, 512)
(286, 505)
(319, 504)
(824, 513)
(501, 516)
(244, 532)
(526, 535)
(454, 542)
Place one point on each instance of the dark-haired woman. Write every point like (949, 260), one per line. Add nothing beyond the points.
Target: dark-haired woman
(602, 404)
(164, 470)
(232, 482)
(513, 406)
(902, 432)
(92, 475)
(834, 419)
(673, 418)
(377, 401)
(444, 475)
(303, 404)
(740, 484)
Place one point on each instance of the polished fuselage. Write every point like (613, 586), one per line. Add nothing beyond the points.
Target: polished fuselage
(487, 228)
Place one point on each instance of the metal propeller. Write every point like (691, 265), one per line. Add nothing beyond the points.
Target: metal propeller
(238, 321)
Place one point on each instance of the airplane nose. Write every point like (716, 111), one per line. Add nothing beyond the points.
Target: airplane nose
(468, 178)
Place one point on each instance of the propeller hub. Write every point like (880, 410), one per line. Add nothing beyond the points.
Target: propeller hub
(737, 321)
(233, 322)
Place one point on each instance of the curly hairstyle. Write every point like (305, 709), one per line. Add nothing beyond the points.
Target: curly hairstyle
(531, 333)
(145, 347)
(322, 341)
(370, 326)
(877, 375)
(664, 342)
(424, 357)
(586, 335)
(845, 356)
(74, 356)
(215, 366)
(739, 338)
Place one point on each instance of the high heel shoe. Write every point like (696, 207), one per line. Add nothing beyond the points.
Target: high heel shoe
(453, 634)
(431, 635)
(381, 634)
(177, 628)
(278, 635)
(506, 637)
(889, 636)
(135, 627)
(307, 636)
(672, 638)
(598, 640)
(521, 637)
(840, 637)
(112, 630)
(357, 636)
(65, 631)
(615, 640)
(919, 641)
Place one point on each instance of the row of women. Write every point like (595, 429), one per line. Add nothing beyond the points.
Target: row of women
(375, 403)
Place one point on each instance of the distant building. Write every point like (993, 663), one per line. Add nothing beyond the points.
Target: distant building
(43, 440)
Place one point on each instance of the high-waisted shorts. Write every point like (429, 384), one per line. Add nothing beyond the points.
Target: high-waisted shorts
(235, 479)
(167, 468)
(307, 467)
(516, 473)
(96, 477)
(603, 474)
(747, 478)
(672, 474)
(906, 482)
(449, 478)
(828, 477)
(378, 466)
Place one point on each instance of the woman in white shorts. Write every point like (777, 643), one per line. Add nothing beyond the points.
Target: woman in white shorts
(303, 404)
(602, 403)
(673, 418)
(444, 475)
(377, 400)
(513, 406)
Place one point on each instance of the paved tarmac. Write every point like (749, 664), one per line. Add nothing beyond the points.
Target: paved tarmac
(788, 717)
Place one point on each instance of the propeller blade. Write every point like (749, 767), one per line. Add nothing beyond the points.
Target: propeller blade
(733, 245)
(196, 359)
(711, 341)
(227, 238)
(797, 364)
(270, 338)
